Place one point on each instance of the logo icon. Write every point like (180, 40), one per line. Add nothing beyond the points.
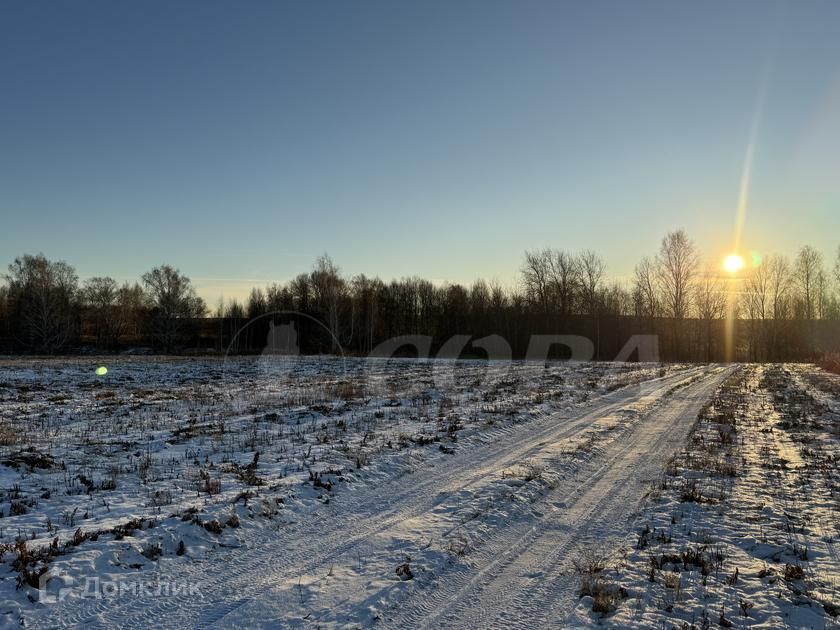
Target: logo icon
(54, 574)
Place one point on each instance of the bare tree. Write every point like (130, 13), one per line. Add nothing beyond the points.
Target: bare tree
(132, 303)
(616, 301)
(99, 296)
(645, 289)
(780, 287)
(479, 298)
(807, 271)
(479, 307)
(837, 270)
(41, 293)
(430, 299)
(498, 296)
(565, 280)
(364, 292)
(757, 293)
(256, 303)
(711, 306)
(301, 290)
(552, 281)
(592, 269)
(174, 301)
(780, 282)
(5, 317)
(234, 317)
(676, 267)
(330, 289)
(499, 303)
(823, 296)
(278, 297)
(676, 272)
(114, 309)
(756, 301)
(834, 290)
(535, 276)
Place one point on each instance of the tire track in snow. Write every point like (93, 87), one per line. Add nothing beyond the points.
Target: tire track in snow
(521, 582)
(331, 534)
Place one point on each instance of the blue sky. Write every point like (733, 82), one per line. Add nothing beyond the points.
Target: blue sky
(238, 141)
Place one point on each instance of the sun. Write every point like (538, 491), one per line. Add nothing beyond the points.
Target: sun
(733, 263)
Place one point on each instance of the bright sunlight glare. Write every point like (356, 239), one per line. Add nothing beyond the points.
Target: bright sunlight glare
(733, 263)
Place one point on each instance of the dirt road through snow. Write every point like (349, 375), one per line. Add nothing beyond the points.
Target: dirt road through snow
(336, 565)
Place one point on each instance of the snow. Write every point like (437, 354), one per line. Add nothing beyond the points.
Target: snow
(339, 492)
(742, 527)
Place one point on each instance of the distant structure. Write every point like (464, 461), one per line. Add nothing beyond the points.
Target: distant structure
(279, 357)
(282, 340)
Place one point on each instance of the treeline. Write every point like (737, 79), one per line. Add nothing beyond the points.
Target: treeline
(44, 308)
(779, 310)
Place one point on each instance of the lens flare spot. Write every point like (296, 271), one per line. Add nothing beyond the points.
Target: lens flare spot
(101, 370)
(733, 263)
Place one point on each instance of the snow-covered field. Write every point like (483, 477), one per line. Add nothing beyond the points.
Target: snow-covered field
(329, 492)
(741, 530)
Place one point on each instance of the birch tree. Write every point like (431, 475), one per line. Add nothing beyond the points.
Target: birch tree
(174, 302)
(41, 294)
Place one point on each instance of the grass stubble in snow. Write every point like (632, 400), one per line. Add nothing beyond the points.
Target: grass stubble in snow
(227, 476)
(742, 528)
(348, 493)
